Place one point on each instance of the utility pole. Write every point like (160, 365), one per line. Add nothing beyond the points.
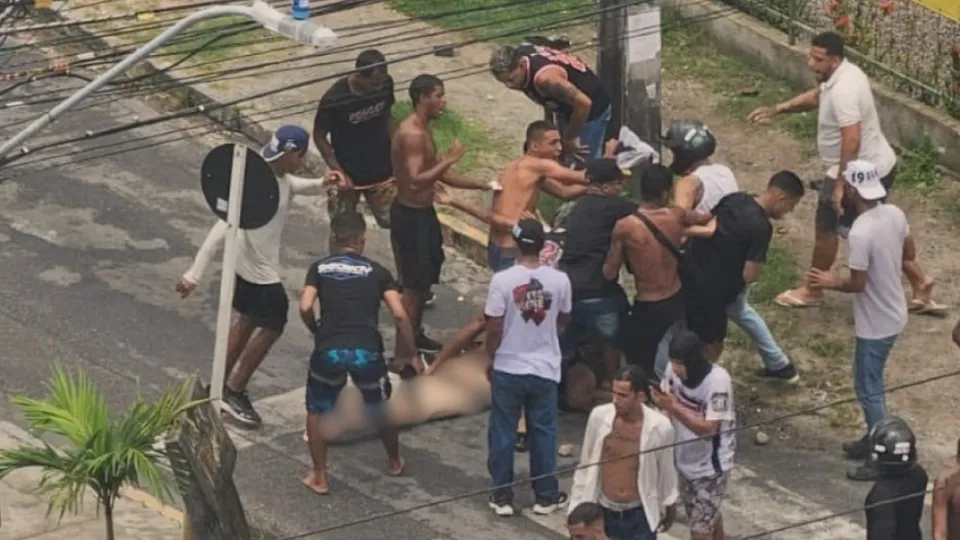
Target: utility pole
(628, 63)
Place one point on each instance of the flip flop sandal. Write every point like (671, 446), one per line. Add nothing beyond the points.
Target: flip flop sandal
(928, 308)
(789, 300)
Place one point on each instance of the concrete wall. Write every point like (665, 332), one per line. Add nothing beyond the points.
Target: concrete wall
(905, 121)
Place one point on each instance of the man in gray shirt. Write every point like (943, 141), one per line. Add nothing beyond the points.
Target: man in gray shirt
(879, 244)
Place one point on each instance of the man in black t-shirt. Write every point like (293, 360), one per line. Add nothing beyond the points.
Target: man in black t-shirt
(356, 113)
(728, 253)
(349, 288)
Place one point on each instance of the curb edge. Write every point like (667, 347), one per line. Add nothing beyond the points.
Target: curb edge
(152, 503)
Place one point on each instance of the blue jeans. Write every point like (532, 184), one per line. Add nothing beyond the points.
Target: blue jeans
(537, 397)
(747, 318)
(629, 525)
(869, 358)
(593, 134)
(496, 259)
(599, 316)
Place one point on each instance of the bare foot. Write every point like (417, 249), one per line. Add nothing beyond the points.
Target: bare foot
(396, 467)
(314, 482)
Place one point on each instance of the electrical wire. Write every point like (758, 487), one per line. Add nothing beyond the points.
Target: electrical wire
(566, 470)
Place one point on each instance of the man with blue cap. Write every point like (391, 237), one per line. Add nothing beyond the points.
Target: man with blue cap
(259, 296)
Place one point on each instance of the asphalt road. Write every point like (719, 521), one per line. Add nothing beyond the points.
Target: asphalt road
(90, 250)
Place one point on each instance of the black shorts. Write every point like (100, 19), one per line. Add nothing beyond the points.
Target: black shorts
(826, 217)
(329, 369)
(646, 326)
(707, 316)
(417, 242)
(265, 305)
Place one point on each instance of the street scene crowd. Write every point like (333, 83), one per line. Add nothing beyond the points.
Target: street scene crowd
(558, 331)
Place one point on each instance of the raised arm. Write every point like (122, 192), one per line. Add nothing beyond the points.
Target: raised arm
(564, 192)
(313, 186)
(806, 101)
(414, 165)
(548, 168)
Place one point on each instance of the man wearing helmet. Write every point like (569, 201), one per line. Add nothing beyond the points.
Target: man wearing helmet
(894, 505)
(701, 186)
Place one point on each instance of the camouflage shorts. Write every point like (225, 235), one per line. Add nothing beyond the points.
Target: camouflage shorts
(379, 198)
(702, 498)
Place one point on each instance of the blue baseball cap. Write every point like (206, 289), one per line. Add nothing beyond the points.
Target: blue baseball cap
(286, 139)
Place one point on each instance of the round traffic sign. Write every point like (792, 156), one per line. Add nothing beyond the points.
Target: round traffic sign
(261, 194)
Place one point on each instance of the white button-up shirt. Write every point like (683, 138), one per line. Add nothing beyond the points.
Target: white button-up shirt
(657, 478)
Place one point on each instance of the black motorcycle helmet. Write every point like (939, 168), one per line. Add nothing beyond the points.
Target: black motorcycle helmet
(893, 446)
(690, 141)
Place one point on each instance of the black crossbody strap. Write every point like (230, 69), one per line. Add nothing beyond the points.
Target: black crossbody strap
(664, 241)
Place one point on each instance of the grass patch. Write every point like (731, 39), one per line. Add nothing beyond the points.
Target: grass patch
(918, 166)
(450, 127)
(229, 36)
(779, 274)
(486, 18)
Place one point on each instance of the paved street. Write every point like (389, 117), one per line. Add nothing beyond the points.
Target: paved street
(89, 254)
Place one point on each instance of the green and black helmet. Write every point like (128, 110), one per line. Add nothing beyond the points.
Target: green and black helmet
(690, 141)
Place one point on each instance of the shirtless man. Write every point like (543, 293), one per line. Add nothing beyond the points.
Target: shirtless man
(415, 232)
(946, 503)
(650, 240)
(638, 496)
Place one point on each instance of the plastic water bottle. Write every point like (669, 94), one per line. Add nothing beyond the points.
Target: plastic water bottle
(301, 10)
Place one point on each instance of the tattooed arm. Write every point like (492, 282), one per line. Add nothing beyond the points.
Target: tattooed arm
(555, 86)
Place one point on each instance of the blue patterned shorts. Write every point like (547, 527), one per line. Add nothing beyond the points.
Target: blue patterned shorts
(329, 369)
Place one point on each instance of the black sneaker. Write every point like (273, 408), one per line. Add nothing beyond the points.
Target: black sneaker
(863, 473)
(787, 374)
(548, 507)
(502, 508)
(237, 405)
(426, 344)
(858, 449)
(522, 444)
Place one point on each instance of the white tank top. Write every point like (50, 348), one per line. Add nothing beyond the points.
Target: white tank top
(718, 182)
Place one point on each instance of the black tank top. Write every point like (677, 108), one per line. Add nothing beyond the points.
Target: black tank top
(578, 74)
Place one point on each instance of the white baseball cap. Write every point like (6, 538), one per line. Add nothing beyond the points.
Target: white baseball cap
(863, 177)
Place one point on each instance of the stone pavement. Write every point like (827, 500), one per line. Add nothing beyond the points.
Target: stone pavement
(24, 512)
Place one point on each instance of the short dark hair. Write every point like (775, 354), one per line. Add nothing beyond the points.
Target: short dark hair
(347, 227)
(587, 513)
(422, 86)
(686, 347)
(636, 376)
(655, 181)
(371, 61)
(789, 183)
(537, 128)
(831, 42)
(505, 60)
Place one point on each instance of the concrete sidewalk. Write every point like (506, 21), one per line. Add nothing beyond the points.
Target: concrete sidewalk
(137, 516)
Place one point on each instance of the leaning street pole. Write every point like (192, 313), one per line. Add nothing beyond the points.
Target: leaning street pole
(629, 34)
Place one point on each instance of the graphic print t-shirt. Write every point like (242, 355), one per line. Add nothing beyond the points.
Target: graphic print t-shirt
(529, 300)
(712, 400)
(358, 127)
(350, 288)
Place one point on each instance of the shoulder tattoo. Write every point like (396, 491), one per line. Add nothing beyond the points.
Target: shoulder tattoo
(561, 91)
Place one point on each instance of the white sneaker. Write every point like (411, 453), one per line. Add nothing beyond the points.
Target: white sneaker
(544, 508)
(502, 509)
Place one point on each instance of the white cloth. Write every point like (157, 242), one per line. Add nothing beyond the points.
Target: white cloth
(638, 150)
(529, 300)
(657, 478)
(847, 99)
(718, 181)
(258, 253)
(875, 246)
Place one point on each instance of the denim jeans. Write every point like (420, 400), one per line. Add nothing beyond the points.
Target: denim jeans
(752, 324)
(869, 358)
(497, 260)
(593, 134)
(629, 525)
(537, 397)
(599, 316)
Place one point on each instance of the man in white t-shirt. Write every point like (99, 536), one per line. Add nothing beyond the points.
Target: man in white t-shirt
(258, 296)
(698, 398)
(879, 245)
(848, 129)
(526, 306)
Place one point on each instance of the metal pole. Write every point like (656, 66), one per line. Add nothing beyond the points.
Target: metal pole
(791, 22)
(229, 274)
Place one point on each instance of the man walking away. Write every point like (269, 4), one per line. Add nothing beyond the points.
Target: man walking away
(636, 481)
(848, 129)
(946, 503)
(698, 398)
(349, 289)
(879, 244)
(526, 306)
(258, 296)
(729, 255)
(586, 522)
(894, 506)
(356, 114)
(701, 186)
(564, 86)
